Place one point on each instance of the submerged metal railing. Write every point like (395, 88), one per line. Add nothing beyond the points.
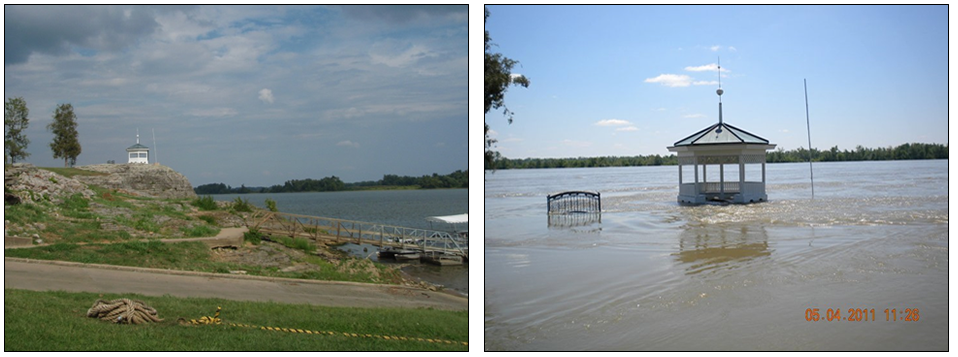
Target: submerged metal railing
(574, 202)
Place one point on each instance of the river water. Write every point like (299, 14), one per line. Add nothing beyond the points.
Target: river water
(650, 274)
(404, 208)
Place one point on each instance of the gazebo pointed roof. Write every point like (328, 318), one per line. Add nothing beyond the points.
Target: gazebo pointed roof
(721, 133)
(137, 147)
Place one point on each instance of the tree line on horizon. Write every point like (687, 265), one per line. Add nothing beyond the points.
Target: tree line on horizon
(910, 151)
(457, 179)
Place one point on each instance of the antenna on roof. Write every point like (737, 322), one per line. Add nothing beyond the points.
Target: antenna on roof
(720, 91)
(720, 75)
(155, 160)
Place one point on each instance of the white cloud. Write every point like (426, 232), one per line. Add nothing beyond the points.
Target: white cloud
(214, 112)
(266, 95)
(671, 80)
(628, 128)
(705, 67)
(347, 143)
(681, 80)
(611, 122)
(717, 48)
(393, 58)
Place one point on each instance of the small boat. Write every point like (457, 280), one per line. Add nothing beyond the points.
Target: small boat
(398, 254)
(407, 256)
(442, 259)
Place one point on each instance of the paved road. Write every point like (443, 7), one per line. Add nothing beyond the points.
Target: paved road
(38, 275)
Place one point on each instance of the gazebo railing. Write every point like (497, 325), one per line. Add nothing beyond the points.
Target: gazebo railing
(574, 202)
(715, 187)
(712, 187)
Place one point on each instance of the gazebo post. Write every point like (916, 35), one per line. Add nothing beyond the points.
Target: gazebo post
(695, 161)
(705, 178)
(722, 179)
(680, 174)
(763, 173)
(741, 175)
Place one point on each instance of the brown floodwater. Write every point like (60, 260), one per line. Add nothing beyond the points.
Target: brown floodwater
(649, 274)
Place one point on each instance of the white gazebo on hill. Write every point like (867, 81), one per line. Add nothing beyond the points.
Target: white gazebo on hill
(138, 153)
(726, 148)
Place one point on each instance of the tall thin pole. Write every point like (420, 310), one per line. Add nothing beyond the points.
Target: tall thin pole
(155, 159)
(720, 71)
(720, 91)
(809, 128)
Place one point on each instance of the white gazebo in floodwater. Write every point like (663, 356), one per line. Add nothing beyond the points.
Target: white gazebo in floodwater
(138, 153)
(735, 156)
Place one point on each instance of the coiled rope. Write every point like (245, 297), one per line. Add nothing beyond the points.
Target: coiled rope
(215, 320)
(123, 311)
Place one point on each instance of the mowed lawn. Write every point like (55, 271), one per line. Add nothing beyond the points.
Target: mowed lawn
(56, 321)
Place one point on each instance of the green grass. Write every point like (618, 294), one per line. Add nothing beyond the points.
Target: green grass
(201, 230)
(56, 321)
(296, 243)
(205, 203)
(196, 256)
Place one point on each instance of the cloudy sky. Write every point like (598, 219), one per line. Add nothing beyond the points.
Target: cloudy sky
(246, 94)
(632, 80)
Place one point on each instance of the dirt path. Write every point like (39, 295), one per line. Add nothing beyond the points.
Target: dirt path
(226, 237)
(39, 275)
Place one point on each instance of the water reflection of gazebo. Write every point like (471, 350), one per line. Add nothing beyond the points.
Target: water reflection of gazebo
(705, 249)
(727, 147)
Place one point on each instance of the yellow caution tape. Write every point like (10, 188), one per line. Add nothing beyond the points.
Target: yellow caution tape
(215, 320)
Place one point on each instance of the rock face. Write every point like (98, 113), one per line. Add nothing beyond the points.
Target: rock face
(140, 179)
(26, 183)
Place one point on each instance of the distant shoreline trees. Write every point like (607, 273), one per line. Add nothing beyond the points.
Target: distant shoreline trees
(457, 179)
(912, 151)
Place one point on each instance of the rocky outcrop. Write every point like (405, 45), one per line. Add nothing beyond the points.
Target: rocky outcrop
(25, 183)
(140, 179)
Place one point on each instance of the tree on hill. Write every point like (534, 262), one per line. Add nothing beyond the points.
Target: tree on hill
(15, 121)
(66, 142)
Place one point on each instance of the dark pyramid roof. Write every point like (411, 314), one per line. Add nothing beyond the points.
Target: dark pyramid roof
(137, 146)
(721, 133)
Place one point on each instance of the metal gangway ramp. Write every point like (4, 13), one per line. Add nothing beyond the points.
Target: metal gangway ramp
(347, 231)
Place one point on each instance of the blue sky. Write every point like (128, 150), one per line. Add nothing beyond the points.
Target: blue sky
(632, 80)
(253, 95)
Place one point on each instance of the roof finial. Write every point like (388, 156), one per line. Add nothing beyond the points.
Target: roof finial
(720, 76)
(137, 135)
(720, 91)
